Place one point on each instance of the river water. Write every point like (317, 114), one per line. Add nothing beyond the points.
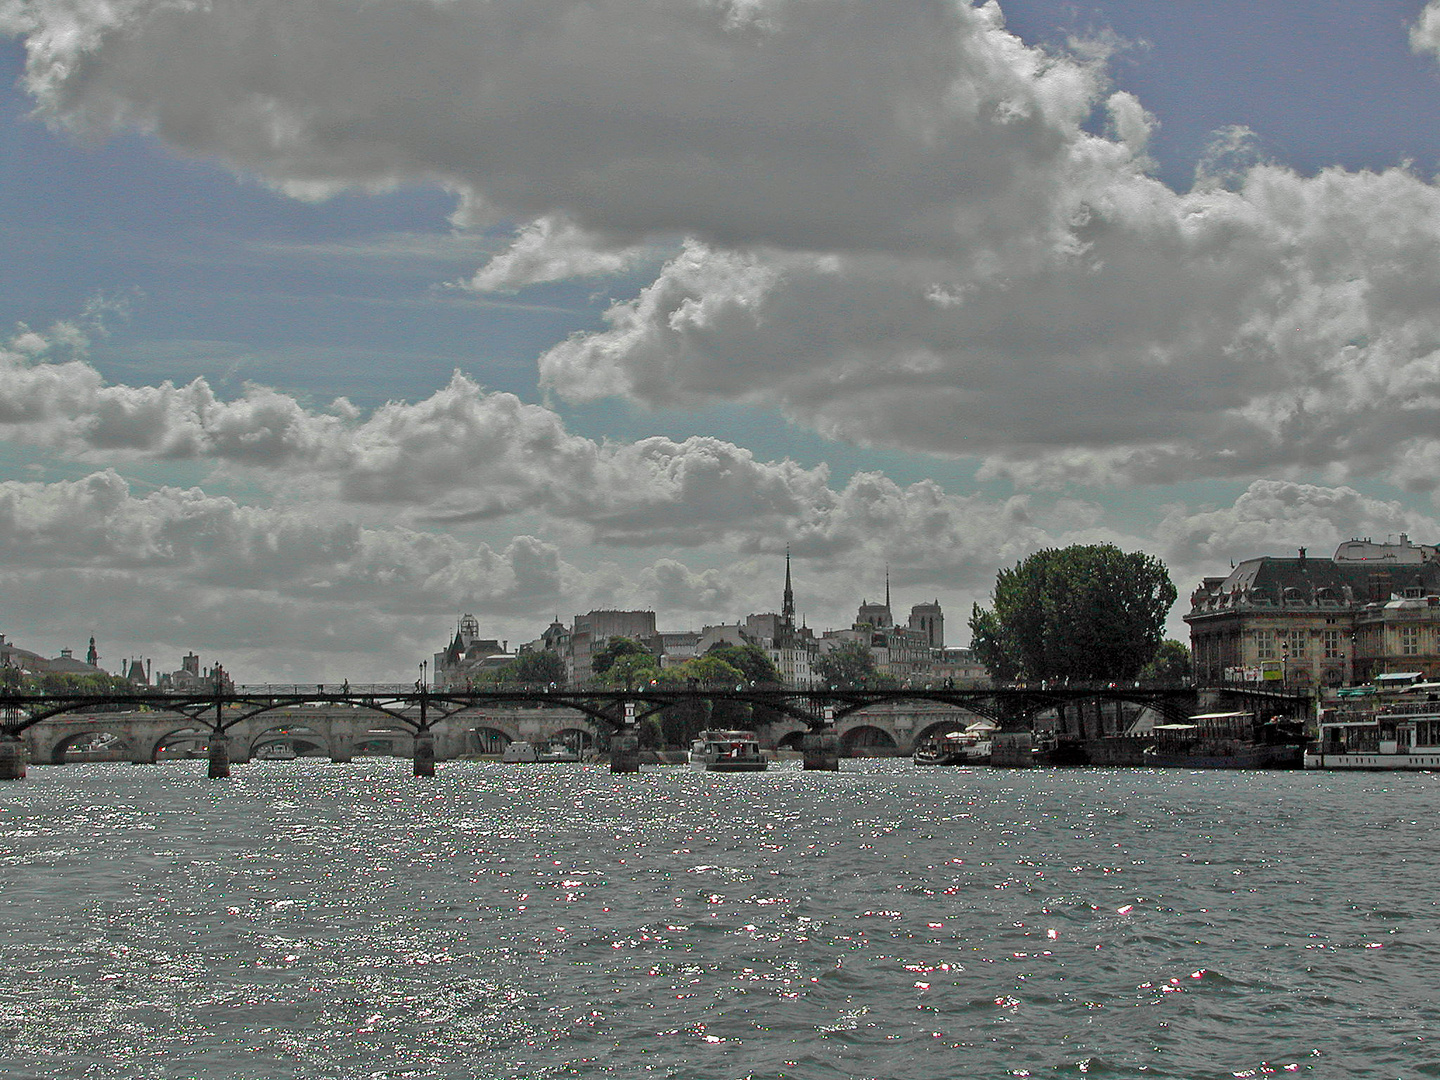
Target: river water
(310, 920)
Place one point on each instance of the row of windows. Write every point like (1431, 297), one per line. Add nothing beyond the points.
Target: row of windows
(1281, 644)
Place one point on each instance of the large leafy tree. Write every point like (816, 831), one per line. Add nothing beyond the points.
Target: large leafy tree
(751, 660)
(1087, 611)
(614, 649)
(537, 666)
(850, 664)
(1171, 662)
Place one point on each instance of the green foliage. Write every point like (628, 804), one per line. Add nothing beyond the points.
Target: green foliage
(632, 669)
(851, 664)
(613, 649)
(1081, 612)
(1171, 663)
(74, 682)
(541, 667)
(751, 661)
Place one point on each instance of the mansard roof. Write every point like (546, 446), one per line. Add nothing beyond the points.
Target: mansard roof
(1350, 583)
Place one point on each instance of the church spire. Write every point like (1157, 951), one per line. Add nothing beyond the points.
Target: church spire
(786, 634)
(788, 610)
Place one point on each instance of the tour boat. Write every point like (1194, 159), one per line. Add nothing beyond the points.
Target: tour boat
(1228, 740)
(275, 751)
(726, 751)
(1401, 736)
(519, 752)
(972, 746)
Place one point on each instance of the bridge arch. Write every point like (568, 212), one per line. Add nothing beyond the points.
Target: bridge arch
(868, 740)
(150, 750)
(108, 743)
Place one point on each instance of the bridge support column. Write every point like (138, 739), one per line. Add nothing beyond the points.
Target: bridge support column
(218, 753)
(424, 754)
(342, 748)
(12, 758)
(822, 750)
(625, 751)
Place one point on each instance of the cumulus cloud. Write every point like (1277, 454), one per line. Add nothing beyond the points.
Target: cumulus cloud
(1275, 517)
(796, 122)
(1425, 33)
(553, 250)
(1281, 326)
(903, 228)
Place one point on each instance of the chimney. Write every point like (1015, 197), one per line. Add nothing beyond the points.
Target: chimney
(1302, 558)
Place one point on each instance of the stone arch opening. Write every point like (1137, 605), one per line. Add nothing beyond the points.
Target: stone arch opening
(793, 740)
(487, 739)
(865, 740)
(182, 744)
(578, 739)
(93, 744)
(385, 740)
(286, 741)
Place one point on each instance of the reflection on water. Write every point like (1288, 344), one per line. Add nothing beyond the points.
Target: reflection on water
(310, 920)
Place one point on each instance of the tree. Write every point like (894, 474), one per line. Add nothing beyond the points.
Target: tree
(1081, 612)
(1171, 663)
(757, 669)
(849, 664)
(631, 669)
(613, 649)
(541, 666)
(751, 661)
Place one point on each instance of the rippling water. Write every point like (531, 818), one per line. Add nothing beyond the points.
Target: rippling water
(308, 920)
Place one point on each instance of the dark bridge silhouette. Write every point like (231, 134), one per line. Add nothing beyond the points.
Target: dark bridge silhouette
(612, 712)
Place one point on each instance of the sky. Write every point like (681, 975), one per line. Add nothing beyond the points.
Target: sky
(323, 323)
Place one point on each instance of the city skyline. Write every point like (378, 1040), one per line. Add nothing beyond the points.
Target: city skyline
(322, 326)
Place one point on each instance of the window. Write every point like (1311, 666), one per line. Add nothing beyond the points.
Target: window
(1409, 641)
(1331, 639)
(1264, 645)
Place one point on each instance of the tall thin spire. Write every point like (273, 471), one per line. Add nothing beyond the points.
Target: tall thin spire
(887, 587)
(787, 609)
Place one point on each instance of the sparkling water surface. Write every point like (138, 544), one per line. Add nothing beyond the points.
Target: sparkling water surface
(310, 920)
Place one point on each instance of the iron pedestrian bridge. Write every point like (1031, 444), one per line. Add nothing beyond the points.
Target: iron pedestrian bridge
(233, 722)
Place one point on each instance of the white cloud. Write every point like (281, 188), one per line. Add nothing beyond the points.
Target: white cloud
(1288, 325)
(1425, 33)
(901, 230)
(553, 250)
(790, 122)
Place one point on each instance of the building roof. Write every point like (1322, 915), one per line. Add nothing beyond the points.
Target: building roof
(1276, 581)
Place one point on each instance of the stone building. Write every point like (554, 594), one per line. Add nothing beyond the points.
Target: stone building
(1371, 609)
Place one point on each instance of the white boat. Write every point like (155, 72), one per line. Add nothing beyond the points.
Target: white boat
(973, 746)
(726, 751)
(518, 752)
(275, 751)
(1404, 736)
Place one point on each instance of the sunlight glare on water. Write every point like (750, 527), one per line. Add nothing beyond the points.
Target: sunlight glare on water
(309, 920)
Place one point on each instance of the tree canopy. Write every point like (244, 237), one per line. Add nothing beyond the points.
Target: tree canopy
(614, 649)
(537, 666)
(750, 660)
(1089, 611)
(850, 664)
(1171, 662)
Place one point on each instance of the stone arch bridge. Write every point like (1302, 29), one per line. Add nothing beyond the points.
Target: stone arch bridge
(339, 721)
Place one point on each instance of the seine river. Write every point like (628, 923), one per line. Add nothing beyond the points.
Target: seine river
(309, 920)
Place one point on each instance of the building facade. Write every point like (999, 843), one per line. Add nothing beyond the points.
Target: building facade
(1371, 609)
